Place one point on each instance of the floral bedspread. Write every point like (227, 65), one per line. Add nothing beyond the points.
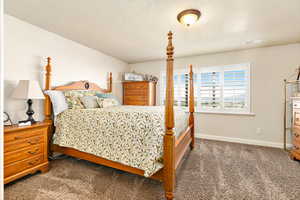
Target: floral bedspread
(131, 135)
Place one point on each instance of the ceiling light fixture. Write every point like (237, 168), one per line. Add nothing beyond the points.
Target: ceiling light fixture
(188, 17)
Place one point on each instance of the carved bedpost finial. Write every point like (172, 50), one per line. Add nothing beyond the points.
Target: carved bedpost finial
(48, 60)
(109, 88)
(170, 48)
(48, 74)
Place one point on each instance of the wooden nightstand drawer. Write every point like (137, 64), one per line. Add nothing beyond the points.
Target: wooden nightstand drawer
(22, 154)
(24, 134)
(19, 144)
(22, 165)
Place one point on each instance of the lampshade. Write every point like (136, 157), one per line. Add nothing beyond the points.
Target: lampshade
(28, 89)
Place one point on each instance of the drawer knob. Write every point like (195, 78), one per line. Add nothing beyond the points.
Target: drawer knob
(33, 152)
(33, 162)
(33, 141)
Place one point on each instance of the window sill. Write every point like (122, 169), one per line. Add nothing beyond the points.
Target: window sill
(226, 113)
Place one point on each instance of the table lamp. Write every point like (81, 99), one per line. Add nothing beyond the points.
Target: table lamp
(28, 89)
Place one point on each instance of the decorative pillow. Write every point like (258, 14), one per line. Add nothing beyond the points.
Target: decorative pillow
(89, 101)
(73, 97)
(79, 93)
(107, 95)
(108, 102)
(74, 102)
(58, 100)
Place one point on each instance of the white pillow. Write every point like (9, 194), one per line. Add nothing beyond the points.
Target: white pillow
(58, 100)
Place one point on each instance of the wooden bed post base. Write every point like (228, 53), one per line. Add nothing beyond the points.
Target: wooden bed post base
(191, 107)
(169, 165)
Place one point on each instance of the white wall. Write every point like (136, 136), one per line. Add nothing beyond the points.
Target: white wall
(26, 48)
(270, 66)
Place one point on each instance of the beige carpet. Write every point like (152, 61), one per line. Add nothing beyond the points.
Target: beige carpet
(214, 170)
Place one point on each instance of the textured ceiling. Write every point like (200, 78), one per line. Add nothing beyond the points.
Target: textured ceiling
(135, 30)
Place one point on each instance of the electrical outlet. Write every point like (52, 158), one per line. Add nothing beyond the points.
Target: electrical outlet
(258, 130)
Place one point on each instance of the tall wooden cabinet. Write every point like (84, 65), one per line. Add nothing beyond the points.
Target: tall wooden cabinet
(142, 93)
(295, 152)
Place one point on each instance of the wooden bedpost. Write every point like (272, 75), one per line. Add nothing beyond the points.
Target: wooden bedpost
(48, 107)
(169, 138)
(192, 106)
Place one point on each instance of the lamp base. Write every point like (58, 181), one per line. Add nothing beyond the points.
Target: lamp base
(29, 112)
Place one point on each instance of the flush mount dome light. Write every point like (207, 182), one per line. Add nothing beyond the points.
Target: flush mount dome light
(188, 17)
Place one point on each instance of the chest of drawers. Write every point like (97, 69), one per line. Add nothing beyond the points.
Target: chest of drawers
(25, 150)
(142, 93)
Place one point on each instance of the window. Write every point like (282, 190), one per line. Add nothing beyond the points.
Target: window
(217, 89)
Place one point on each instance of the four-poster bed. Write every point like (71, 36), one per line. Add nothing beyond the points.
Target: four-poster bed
(174, 147)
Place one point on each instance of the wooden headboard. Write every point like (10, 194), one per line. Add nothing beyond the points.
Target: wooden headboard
(78, 85)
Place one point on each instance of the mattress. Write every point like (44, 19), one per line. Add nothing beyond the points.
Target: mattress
(131, 135)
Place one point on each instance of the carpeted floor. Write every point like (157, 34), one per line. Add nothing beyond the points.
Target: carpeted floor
(214, 170)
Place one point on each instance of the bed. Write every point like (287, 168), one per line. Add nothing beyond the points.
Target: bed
(148, 141)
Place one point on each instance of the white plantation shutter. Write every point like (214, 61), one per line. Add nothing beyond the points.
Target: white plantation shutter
(180, 89)
(235, 89)
(209, 90)
(217, 89)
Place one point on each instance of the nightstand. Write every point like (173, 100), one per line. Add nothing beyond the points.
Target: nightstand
(25, 150)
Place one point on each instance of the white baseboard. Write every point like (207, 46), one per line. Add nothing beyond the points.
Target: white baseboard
(242, 141)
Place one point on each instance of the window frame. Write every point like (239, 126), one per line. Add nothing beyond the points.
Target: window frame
(222, 69)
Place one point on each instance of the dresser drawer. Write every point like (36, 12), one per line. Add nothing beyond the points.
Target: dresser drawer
(297, 118)
(296, 143)
(136, 86)
(22, 165)
(22, 135)
(296, 130)
(135, 92)
(19, 144)
(135, 98)
(22, 154)
(296, 136)
(135, 101)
